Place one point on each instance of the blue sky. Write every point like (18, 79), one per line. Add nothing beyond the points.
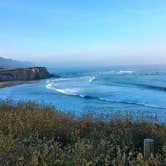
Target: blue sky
(84, 31)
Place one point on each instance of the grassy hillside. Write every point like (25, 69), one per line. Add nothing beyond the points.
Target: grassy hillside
(31, 135)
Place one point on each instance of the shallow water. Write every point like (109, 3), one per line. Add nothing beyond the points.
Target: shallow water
(131, 89)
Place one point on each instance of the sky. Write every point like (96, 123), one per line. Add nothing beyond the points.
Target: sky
(84, 32)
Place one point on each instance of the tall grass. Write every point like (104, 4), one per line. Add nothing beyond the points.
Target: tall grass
(35, 135)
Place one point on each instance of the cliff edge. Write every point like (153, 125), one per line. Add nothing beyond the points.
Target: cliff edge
(24, 74)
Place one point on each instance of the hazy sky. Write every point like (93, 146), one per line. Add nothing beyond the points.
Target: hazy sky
(84, 31)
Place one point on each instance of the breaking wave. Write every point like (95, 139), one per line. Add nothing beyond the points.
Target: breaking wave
(152, 87)
(92, 79)
(121, 72)
(77, 92)
(68, 91)
(125, 72)
(82, 87)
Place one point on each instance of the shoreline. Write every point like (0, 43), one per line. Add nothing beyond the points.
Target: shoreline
(11, 83)
(16, 76)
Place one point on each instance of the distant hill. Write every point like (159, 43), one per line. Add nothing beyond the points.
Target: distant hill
(8, 63)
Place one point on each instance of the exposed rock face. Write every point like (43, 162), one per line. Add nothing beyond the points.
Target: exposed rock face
(24, 74)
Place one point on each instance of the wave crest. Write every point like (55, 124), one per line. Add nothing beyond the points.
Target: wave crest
(121, 72)
(68, 91)
(92, 79)
(125, 72)
(76, 92)
(122, 102)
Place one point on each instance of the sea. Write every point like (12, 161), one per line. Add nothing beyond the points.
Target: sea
(138, 90)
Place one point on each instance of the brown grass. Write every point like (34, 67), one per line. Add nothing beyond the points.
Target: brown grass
(32, 135)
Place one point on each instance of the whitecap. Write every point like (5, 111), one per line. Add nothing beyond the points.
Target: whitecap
(68, 91)
(125, 72)
(92, 79)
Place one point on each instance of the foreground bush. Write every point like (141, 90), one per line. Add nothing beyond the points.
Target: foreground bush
(31, 135)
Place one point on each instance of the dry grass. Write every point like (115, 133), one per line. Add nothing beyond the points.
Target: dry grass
(31, 135)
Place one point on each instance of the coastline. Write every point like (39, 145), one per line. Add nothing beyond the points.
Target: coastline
(16, 76)
(11, 83)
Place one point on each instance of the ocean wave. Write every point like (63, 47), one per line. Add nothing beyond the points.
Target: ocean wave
(68, 91)
(87, 79)
(159, 88)
(121, 72)
(146, 86)
(68, 88)
(92, 79)
(134, 103)
(111, 72)
(76, 92)
(50, 84)
(153, 73)
(132, 84)
(122, 102)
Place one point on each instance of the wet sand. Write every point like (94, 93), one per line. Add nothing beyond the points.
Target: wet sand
(11, 83)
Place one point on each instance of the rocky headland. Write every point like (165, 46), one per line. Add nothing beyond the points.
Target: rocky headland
(9, 77)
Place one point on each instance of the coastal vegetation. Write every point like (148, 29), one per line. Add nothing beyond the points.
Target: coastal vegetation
(36, 135)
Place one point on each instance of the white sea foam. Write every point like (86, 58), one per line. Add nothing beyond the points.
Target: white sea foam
(92, 79)
(106, 72)
(50, 84)
(68, 91)
(54, 85)
(113, 72)
(79, 86)
(125, 72)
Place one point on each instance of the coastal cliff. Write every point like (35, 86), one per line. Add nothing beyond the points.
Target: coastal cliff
(24, 74)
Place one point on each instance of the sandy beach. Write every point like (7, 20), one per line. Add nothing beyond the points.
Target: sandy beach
(10, 83)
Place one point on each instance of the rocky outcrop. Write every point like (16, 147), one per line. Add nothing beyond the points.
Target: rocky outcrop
(24, 74)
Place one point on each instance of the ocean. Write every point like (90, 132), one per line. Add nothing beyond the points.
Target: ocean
(137, 90)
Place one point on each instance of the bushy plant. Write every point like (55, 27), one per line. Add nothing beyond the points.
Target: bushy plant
(35, 135)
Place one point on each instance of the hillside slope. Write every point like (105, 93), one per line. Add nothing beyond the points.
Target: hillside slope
(7, 63)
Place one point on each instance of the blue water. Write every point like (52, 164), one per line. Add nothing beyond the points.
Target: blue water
(124, 89)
